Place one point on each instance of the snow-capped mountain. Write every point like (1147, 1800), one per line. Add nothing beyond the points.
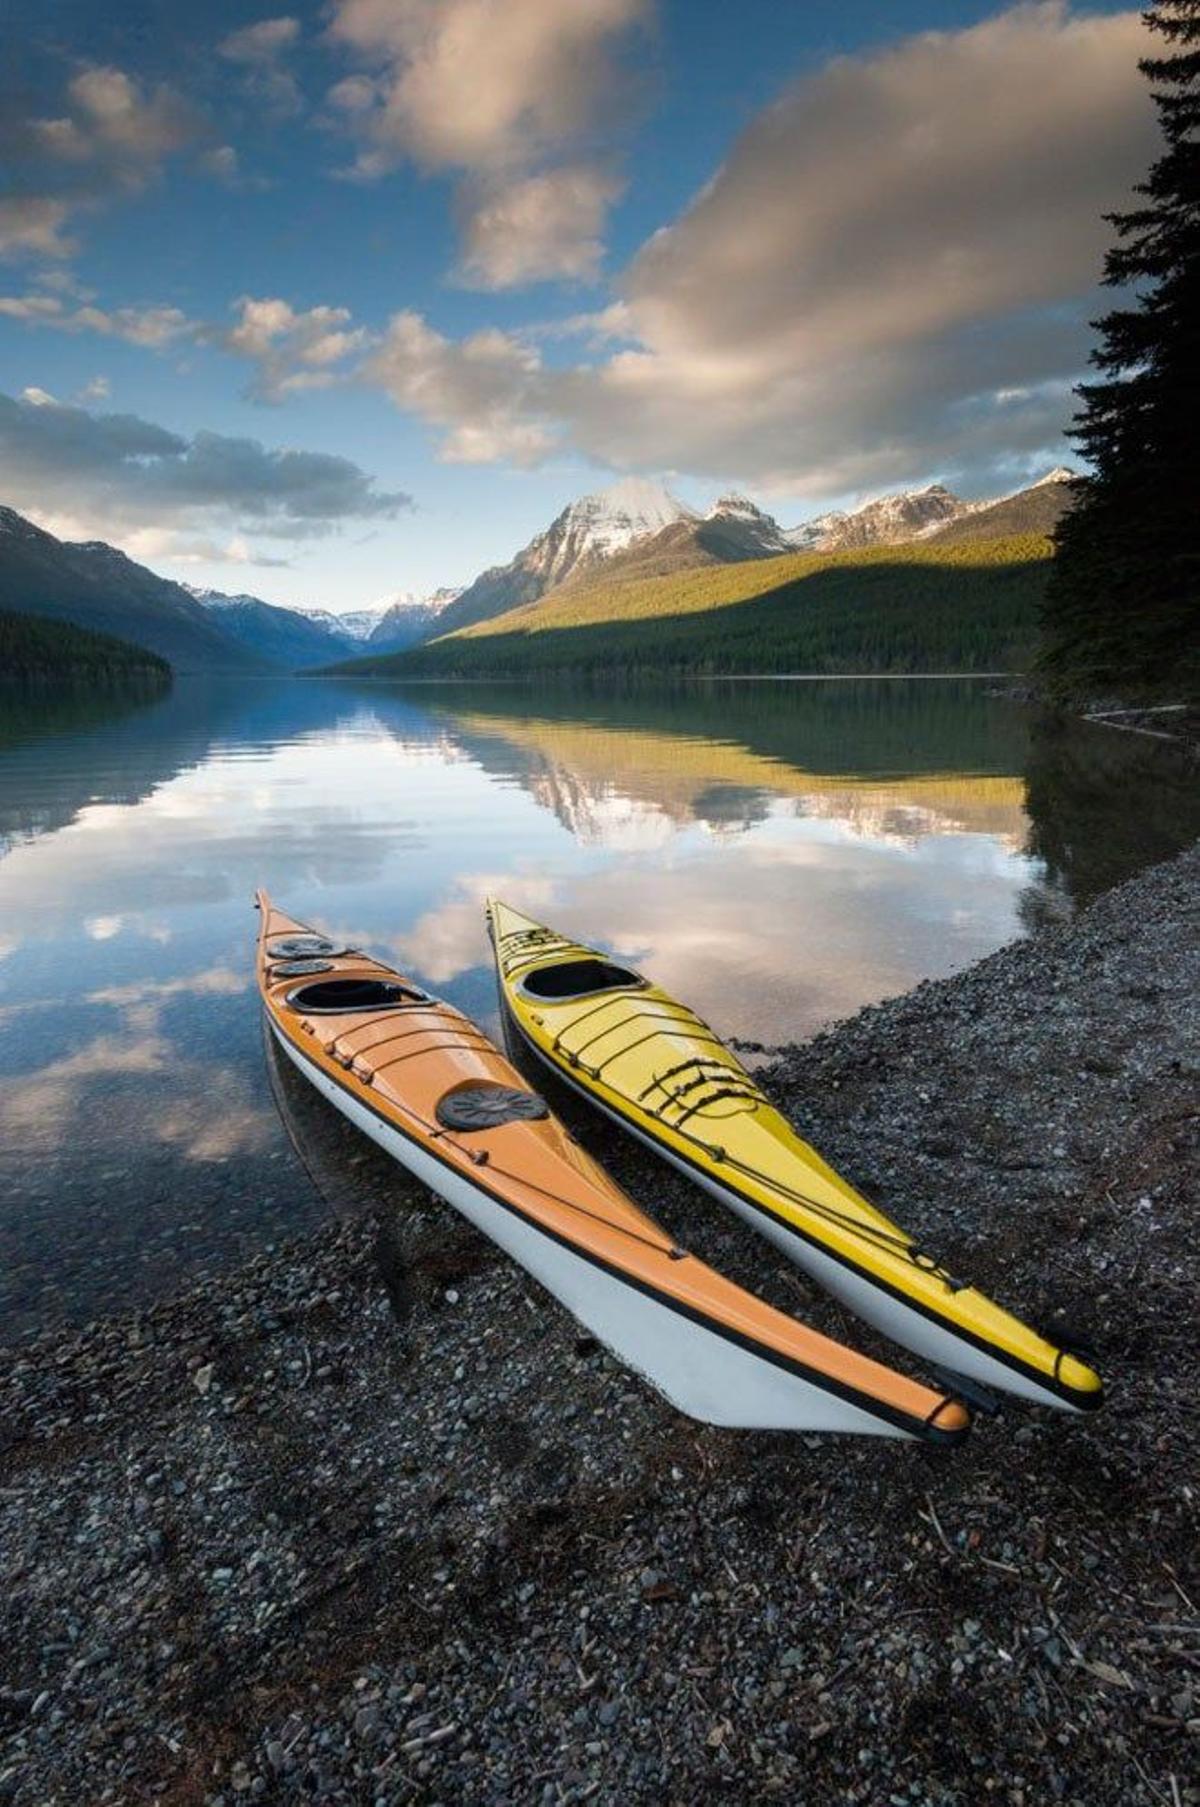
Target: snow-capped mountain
(755, 532)
(606, 522)
(1035, 510)
(301, 639)
(588, 532)
(936, 513)
(408, 617)
(638, 530)
(357, 624)
(888, 521)
(733, 529)
(295, 639)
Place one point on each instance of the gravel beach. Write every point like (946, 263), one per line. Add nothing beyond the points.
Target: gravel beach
(371, 1521)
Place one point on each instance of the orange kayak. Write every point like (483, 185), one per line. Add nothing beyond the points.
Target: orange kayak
(427, 1085)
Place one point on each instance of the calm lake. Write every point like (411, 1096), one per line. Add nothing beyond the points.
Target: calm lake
(778, 854)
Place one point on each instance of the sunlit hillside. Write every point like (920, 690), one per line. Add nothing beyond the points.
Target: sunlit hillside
(890, 609)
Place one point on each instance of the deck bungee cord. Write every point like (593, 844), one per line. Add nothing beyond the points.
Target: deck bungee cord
(894, 1241)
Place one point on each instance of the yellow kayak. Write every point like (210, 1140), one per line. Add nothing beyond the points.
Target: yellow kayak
(655, 1067)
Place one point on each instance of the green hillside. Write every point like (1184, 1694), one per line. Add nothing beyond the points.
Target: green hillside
(887, 609)
(36, 650)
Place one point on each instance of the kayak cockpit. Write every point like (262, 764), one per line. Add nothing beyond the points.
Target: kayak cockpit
(569, 979)
(339, 997)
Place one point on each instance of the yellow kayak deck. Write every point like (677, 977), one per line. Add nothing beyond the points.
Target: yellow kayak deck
(660, 1070)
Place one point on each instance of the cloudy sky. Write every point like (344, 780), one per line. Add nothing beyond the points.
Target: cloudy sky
(352, 298)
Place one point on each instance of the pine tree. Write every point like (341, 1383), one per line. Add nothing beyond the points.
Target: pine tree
(1122, 611)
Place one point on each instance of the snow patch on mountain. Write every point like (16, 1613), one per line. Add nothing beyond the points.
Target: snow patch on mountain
(356, 624)
(599, 526)
(888, 521)
(758, 530)
(585, 534)
(912, 514)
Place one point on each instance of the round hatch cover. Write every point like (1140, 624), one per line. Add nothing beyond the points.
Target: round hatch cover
(487, 1106)
(301, 947)
(299, 969)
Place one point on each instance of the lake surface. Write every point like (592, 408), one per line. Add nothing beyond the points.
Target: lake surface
(779, 854)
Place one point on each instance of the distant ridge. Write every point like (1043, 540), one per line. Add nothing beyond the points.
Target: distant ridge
(1037, 509)
(888, 521)
(410, 618)
(633, 533)
(286, 637)
(303, 639)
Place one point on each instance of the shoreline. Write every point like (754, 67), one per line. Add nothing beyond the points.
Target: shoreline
(369, 1518)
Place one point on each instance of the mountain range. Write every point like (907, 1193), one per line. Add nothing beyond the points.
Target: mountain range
(636, 529)
(302, 639)
(92, 585)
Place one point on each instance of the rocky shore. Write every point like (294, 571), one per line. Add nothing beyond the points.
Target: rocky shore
(370, 1521)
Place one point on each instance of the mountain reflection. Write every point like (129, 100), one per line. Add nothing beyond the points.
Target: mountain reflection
(625, 771)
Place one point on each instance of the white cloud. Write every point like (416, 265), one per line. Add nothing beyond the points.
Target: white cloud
(33, 224)
(499, 90)
(885, 247)
(487, 84)
(355, 94)
(222, 162)
(112, 138)
(114, 475)
(292, 349)
(889, 275)
(113, 120)
(150, 327)
(261, 43)
(261, 51)
(167, 545)
(476, 389)
(547, 225)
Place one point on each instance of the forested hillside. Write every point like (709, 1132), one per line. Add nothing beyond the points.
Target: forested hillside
(35, 650)
(908, 608)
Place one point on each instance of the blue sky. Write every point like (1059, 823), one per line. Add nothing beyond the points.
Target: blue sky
(336, 301)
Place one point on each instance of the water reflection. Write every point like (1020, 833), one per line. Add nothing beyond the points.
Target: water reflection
(1103, 804)
(779, 855)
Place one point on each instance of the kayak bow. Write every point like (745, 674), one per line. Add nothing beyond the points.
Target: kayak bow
(655, 1067)
(425, 1083)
